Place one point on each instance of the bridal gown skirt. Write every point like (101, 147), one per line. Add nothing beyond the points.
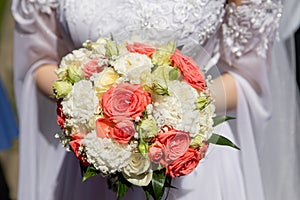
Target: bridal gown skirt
(218, 176)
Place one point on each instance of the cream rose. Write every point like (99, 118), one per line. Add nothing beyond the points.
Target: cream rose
(98, 46)
(138, 171)
(104, 80)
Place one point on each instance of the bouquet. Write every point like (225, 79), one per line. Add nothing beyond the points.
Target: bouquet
(139, 113)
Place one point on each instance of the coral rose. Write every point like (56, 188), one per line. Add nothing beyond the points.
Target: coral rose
(175, 144)
(191, 72)
(122, 131)
(91, 67)
(104, 127)
(140, 48)
(156, 153)
(61, 118)
(75, 144)
(185, 164)
(203, 149)
(125, 101)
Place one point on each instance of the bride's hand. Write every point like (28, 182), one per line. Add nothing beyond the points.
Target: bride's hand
(45, 78)
(225, 92)
(237, 2)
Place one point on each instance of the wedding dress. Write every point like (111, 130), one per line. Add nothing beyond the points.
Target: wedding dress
(280, 151)
(239, 38)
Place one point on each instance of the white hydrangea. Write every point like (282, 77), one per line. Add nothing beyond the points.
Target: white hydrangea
(179, 108)
(206, 121)
(134, 67)
(80, 106)
(106, 155)
(166, 111)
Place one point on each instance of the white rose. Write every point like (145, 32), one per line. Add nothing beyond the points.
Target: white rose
(99, 45)
(138, 171)
(134, 67)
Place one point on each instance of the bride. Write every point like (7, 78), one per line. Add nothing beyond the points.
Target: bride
(238, 36)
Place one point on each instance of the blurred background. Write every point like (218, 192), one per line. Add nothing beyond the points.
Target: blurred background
(8, 123)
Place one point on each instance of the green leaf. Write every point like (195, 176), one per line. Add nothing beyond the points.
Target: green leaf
(161, 90)
(122, 189)
(158, 184)
(220, 119)
(90, 172)
(147, 194)
(201, 102)
(173, 74)
(180, 47)
(221, 140)
(155, 66)
(143, 148)
(112, 37)
(168, 185)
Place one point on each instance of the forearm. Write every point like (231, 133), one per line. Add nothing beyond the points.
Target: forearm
(45, 78)
(237, 2)
(224, 87)
(225, 92)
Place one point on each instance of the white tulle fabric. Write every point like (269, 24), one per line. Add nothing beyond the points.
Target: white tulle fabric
(280, 144)
(47, 30)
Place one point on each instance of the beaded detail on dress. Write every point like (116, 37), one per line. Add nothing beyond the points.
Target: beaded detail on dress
(197, 19)
(251, 26)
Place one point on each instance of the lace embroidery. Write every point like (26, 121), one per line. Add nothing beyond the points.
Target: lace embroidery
(197, 19)
(251, 26)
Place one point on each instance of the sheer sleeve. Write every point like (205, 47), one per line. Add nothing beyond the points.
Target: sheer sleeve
(36, 38)
(246, 37)
(249, 27)
(37, 41)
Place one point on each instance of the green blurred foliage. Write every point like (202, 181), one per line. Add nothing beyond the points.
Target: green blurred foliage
(2, 9)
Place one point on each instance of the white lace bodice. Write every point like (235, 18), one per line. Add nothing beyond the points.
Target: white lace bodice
(94, 18)
(248, 27)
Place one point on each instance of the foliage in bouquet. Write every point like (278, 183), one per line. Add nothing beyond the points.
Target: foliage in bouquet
(138, 113)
